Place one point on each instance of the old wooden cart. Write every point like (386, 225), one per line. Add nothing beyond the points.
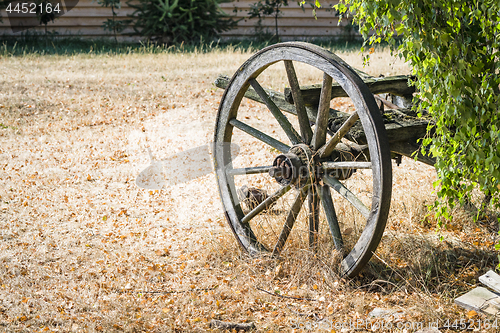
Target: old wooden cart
(316, 149)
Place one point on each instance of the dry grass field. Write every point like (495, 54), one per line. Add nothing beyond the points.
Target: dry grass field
(83, 249)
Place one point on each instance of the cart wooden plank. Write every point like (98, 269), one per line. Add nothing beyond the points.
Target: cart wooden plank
(396, 85)
(403, 127)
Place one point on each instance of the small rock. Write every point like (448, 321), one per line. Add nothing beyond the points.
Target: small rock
(384, 313)
(380, 313)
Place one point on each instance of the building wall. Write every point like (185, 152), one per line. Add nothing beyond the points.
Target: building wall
(87, 17)
(294, 23)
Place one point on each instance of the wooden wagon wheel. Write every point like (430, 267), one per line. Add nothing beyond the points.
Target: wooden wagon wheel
(308, 164)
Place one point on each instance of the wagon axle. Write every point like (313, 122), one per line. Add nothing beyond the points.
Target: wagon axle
(297, 167)
(286, 169)
(301, 166)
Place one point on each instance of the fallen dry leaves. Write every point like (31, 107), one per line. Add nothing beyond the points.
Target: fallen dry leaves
(83, 249)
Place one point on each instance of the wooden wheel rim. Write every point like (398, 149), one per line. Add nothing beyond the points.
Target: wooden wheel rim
(371, 121)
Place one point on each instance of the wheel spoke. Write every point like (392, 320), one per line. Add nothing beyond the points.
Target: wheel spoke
(313, 199)
(346, 165)
(260, 135)
(319, 137)
(327, 149)
(262, 226)
(265, 204)
(331, 217)
(248, 171)
(290, 132)
(348, 195)
(290, 220)
(305, 128)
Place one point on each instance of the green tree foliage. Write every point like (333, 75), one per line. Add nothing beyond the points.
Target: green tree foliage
(175, 21)
(453, 49)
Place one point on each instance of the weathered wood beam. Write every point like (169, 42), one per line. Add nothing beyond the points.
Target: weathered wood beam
(410, 147)
(398, 125)
(396, 85)
(278, 98)
(402, 126)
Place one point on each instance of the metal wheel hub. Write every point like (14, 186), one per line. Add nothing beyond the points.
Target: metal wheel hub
(295, 167)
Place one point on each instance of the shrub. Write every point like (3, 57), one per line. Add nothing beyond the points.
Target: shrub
(175, 21)
(113, 25)
(453, 49)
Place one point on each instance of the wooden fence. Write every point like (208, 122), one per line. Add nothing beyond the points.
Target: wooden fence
(86, 19)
